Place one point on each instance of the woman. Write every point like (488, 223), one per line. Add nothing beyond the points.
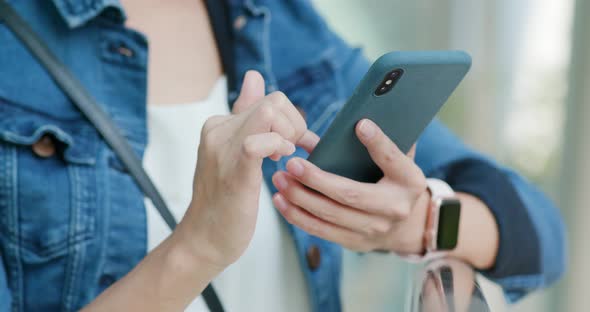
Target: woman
(74, 222)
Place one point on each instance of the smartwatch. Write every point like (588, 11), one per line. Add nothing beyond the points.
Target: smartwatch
(441, 231)
(442, 222)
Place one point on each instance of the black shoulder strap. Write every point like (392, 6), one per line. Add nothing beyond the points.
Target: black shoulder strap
(98, 117)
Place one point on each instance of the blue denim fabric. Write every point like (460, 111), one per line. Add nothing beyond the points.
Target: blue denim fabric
(72, 224)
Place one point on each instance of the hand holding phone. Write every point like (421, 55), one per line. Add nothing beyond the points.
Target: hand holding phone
(401, 93)
(328, 195)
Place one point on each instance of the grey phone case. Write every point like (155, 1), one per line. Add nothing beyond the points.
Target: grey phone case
(428, 79)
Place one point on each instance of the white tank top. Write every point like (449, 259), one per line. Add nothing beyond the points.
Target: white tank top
(268, 276)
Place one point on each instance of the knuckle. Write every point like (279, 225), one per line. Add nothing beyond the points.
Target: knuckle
(278, 98)
(325, 214)
(208, 139)
(210, 123)
(402, 213)
(417, 182)
(372, 230)
(388, 155)
(290, 133)
(249, 147)
(399, 211)
(274, 137)
(288, 214)
(382, 228)
(310, 174)
(313, 227)
(349, 196)
(290, 193)
(300, 127)
(392, 212)
(265, 113)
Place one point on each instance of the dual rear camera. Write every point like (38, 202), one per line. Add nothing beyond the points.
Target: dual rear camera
(389, 81)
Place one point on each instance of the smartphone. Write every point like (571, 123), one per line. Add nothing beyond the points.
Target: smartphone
(402, 92)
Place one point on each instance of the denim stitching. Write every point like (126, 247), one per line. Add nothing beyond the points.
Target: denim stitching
(15, 280)
(105, 217)
(83, 220)
(266, 48)
(265, 34)
(73, 255)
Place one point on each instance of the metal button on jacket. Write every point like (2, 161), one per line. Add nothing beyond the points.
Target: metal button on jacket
(314, 257)
(240, 22)
(44, 147)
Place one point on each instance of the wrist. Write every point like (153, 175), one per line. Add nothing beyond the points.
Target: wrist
(190, 251)
(478, 234)
(441, 224)
(411, 236)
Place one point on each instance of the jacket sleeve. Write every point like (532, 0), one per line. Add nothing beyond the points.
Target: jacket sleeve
(532, 247)
(5, 297)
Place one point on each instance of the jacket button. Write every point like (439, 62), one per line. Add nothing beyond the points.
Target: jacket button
(44, 147)
(314, 257)
(240, 22)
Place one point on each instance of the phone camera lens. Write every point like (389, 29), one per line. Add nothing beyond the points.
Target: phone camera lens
(396, 73)
(389, 81)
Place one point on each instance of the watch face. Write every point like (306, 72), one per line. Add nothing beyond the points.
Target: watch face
(448, 224)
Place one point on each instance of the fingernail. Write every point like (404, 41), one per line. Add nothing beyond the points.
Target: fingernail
(280, 202)
(367, 128)
(280, 182)
(292, 147)
(295, 167)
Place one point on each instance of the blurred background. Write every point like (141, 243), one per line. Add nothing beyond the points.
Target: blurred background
(525, 101)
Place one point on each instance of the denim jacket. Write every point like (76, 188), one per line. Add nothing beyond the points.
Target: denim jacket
(72, 221)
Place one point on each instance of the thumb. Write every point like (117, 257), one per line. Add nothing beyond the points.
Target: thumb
(252, 91)
(392, 161)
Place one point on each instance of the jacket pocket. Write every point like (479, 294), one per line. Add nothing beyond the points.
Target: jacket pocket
(47, 193)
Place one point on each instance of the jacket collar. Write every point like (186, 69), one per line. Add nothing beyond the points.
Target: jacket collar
(78, 12)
